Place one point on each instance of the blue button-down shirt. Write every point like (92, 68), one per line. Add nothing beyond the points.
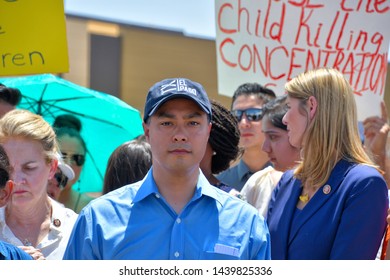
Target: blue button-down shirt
(136, 222)
(11, 252)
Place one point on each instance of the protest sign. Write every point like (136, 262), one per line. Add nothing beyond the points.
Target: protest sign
(271, 41)
(32, 37)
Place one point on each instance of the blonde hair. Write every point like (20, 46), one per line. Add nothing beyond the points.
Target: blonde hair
(23, 123)
(333, 132)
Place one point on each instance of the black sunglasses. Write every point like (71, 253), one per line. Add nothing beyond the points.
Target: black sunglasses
(252, 114)
(78, 159)
(61, 179)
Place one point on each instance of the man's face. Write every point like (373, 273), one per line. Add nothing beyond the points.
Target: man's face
(178, 133)
(251, 134)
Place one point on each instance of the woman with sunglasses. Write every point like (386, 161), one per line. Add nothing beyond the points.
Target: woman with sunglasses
(73, 150)
(333, 204)
(31, 219)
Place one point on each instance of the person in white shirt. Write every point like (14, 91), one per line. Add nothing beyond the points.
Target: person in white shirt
(31, 219)
(283, 156)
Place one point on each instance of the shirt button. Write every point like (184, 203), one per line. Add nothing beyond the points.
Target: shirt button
(177, 254)
(178, 220)
(157, 195)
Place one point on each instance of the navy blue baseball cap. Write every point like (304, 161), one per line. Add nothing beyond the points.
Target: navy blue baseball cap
(169, 89)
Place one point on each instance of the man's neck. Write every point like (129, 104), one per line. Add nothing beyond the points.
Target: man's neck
(255, 159)
(176, 188)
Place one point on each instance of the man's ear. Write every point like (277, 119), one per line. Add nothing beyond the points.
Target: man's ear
(312, 106)
(5, 192)
(146, 130)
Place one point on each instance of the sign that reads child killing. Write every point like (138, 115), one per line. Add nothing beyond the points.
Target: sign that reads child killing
(271, 41)
(32, 37)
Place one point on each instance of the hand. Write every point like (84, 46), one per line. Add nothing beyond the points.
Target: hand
(376, 130)
(36, 254)
(388, 216)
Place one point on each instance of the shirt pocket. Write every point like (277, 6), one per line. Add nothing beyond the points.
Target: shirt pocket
(209, 255)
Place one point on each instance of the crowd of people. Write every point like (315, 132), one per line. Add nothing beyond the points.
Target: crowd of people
(274, 177)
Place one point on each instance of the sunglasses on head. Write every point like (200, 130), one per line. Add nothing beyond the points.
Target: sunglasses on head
(78, 159)
(61, 179)
(252, 114)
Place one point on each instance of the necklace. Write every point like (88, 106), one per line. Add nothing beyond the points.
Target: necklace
(304, 198)
(26, 242)
(45, 229)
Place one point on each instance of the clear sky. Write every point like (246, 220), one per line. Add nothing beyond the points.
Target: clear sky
(195, 18)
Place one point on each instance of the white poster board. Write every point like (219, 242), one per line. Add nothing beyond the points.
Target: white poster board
(271, 41)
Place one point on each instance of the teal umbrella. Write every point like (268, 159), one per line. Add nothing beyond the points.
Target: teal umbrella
(106, 120)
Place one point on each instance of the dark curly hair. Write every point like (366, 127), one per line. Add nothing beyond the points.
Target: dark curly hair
(224, 138)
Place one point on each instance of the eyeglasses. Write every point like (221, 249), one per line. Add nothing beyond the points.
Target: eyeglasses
(78, 159)
(61, 179)
(252, 114)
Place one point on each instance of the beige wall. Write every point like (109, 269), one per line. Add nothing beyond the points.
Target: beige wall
(387, 89)
(78, 49)
(149, 56)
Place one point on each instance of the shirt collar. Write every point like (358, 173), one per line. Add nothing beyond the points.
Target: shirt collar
(2, 217)
(149, 187)
(243, 170)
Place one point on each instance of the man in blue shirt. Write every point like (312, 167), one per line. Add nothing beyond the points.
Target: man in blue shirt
(174, 212)
(12, 252)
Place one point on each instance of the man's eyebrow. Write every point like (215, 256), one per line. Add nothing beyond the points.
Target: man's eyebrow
(164, 114)
(194, 115)
(172, 116)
